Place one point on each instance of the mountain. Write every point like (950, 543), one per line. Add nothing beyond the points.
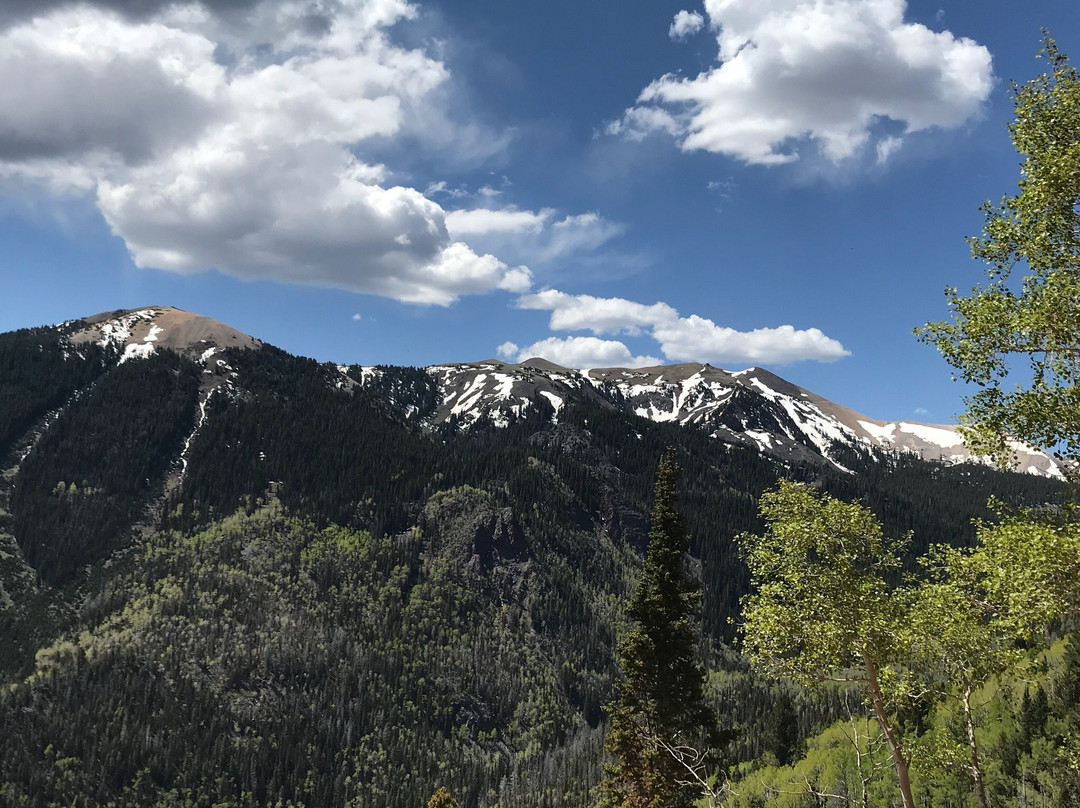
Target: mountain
(750, 407)
(233, 576)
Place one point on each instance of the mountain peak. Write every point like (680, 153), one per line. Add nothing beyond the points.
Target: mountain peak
(138, 332)
(539, 363)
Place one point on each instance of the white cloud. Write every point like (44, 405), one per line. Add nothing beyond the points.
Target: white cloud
(485, 220)
(697, 338)
(16, 9)
(692, 338)
(579, 233)
(205, 147)
(610, 315)
(441, 187)
(578, 352)
(508, 351)
(87, 83)
(357, 317)
(824, 70)
(637, 123)
(686, 24)
(887, 147)
(532, 237)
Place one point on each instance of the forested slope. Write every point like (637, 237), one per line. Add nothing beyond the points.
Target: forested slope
(257, 581)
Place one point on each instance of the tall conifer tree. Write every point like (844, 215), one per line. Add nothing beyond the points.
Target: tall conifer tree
(659, 721)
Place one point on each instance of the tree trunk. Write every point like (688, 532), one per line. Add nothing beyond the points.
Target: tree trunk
(900, 762)
(864, 779)
(976, 766)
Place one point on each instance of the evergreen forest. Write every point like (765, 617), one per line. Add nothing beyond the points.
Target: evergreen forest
(316, 600)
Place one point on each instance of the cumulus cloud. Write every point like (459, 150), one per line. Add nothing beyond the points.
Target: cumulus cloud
(508, 351)
(827, 71)
(485, 220)
(601, 315)
(692, 337)
(684, 339)
(232, 144)
(12, 10)
(686, 24)
(578, 352)
(111, 88)
(533, 237)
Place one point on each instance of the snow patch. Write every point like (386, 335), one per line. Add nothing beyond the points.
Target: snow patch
(471, 395)
(118, 331)
(555, 400)
(883, 434)
(203, 401)
(506, 385)
(137, 350)
(763, 439)
(945, 438)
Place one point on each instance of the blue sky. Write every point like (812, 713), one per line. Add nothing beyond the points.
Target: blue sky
(783, 183)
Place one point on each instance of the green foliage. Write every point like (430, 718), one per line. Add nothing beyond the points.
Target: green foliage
(822, 603)
(822, 608)
(442, 799)
(659, 707)
(967, 622)
(842, 766)
(266, 662)
(1022, 574)
(1034, 318)
(1029, 714)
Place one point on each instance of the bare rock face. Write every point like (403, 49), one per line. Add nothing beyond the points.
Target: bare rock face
(467, 525)
(623, 523)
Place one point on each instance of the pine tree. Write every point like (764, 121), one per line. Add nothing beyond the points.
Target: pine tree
(659, 721)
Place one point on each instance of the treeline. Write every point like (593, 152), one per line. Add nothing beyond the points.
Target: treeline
(358, 456)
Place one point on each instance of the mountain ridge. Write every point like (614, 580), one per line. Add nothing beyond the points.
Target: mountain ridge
(751, 407)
